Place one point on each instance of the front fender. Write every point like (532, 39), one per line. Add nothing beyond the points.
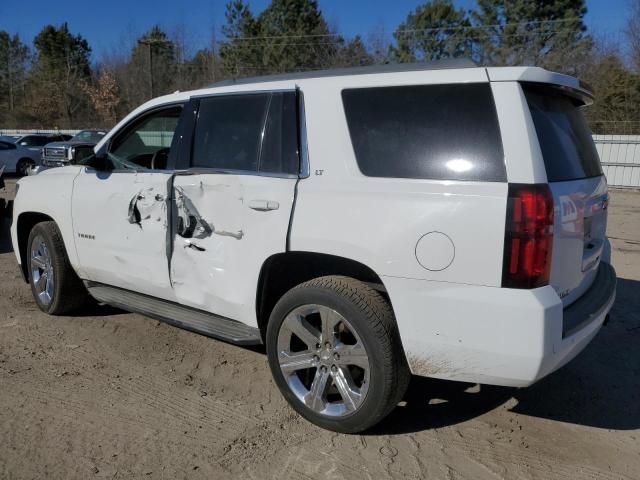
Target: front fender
(50, 194)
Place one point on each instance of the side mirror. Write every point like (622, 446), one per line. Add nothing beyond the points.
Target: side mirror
(99, 162)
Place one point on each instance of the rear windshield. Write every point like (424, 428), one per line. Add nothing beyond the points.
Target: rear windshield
(439, 132)
(565, 139)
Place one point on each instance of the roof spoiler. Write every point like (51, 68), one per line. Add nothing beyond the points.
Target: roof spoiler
(568, 84)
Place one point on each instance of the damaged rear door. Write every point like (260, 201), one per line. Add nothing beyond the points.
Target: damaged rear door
(234, 202)
(121, 209)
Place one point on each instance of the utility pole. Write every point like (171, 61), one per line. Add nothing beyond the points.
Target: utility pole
(148, 43)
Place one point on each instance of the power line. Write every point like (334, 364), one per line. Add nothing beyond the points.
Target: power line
(415, 30)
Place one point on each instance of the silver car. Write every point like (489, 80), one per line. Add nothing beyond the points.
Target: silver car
(19, 155)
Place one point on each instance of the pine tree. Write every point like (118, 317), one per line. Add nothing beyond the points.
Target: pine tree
(62, 66)
(548, 33)
(433, 31)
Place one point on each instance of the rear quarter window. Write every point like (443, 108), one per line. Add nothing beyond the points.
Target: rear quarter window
(439, 132)
(564, 136)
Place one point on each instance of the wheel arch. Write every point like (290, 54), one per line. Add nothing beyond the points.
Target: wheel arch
(24, 224)
(283, 271)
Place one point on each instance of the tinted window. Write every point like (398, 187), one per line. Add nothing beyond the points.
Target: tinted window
(565, 139)
(441, 132)
(89, 136)
(279, 153)
(228, 132)
(34, 141)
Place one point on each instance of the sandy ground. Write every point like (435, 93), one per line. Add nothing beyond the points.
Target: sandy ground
(114, 395)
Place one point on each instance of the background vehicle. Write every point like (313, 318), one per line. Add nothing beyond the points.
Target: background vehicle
(76, 148)
(442, 220)
(23, 153)
(3, 203)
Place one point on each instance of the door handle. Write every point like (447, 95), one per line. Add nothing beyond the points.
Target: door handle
(264, 205)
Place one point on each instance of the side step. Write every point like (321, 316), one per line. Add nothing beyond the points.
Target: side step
(184, 317)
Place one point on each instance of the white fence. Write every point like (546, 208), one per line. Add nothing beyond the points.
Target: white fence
(620, 157)
(31, 132)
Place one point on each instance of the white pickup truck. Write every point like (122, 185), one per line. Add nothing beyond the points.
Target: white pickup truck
(440, 219)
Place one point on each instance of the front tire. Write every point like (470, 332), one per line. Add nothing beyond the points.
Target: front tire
(23, 166)
(56, 288)
(334, 351)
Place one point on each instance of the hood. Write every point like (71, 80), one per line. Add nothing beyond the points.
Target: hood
(70, 143)
(66, 170)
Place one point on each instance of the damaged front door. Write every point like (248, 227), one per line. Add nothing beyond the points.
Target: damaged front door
(121, 214)
(233, 206)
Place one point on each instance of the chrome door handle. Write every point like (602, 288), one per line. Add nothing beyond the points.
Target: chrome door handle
(264, 205)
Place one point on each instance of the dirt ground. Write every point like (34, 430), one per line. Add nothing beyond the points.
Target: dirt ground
(114, 395)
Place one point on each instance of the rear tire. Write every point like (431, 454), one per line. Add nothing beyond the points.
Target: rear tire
(56, 288)
(24, 165)
(335, 353)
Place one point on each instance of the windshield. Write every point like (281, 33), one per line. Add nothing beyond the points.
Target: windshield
(89, 136)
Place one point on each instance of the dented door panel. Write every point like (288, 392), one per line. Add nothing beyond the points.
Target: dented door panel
(221, 240)
(121, 229)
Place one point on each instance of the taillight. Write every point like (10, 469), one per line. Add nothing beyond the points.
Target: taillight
(528, 238)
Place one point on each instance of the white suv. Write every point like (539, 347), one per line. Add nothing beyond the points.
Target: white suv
(441, 220)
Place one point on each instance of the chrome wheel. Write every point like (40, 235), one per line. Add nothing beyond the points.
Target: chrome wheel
(42, 270)
(323, 360)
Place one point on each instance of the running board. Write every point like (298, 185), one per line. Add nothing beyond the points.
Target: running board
(178, 315)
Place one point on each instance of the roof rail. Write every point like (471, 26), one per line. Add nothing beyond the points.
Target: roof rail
(339, 72)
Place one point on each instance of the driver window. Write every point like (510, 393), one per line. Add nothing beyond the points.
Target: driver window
(147, 142)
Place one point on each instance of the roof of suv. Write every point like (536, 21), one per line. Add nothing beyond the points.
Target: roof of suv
(396, 72)
(341, 72)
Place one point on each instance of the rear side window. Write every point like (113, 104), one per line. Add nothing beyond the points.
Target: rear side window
(439, 132)
(565, 139)
(253, 132)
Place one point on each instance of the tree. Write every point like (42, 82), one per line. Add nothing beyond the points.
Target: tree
(241, 51)
(61, 68)
(632, 32)
(353, 53)
(105, 97)
(548, 33)
(433, 31)
(14, 60)
(617, 93)
(289, 35)
(297, 37)
(155, 55)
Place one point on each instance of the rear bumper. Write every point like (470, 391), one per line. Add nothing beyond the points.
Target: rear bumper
(494, 335)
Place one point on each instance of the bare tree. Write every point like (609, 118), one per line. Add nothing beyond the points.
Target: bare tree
(632, 32)
(105, 97)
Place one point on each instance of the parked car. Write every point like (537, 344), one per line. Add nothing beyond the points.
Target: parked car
(364, 224)
(71, 150)
(20, 154)
(3, 202)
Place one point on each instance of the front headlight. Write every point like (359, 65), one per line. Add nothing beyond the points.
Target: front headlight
(70, 153)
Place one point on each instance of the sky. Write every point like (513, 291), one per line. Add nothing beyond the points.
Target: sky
(115, 26)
